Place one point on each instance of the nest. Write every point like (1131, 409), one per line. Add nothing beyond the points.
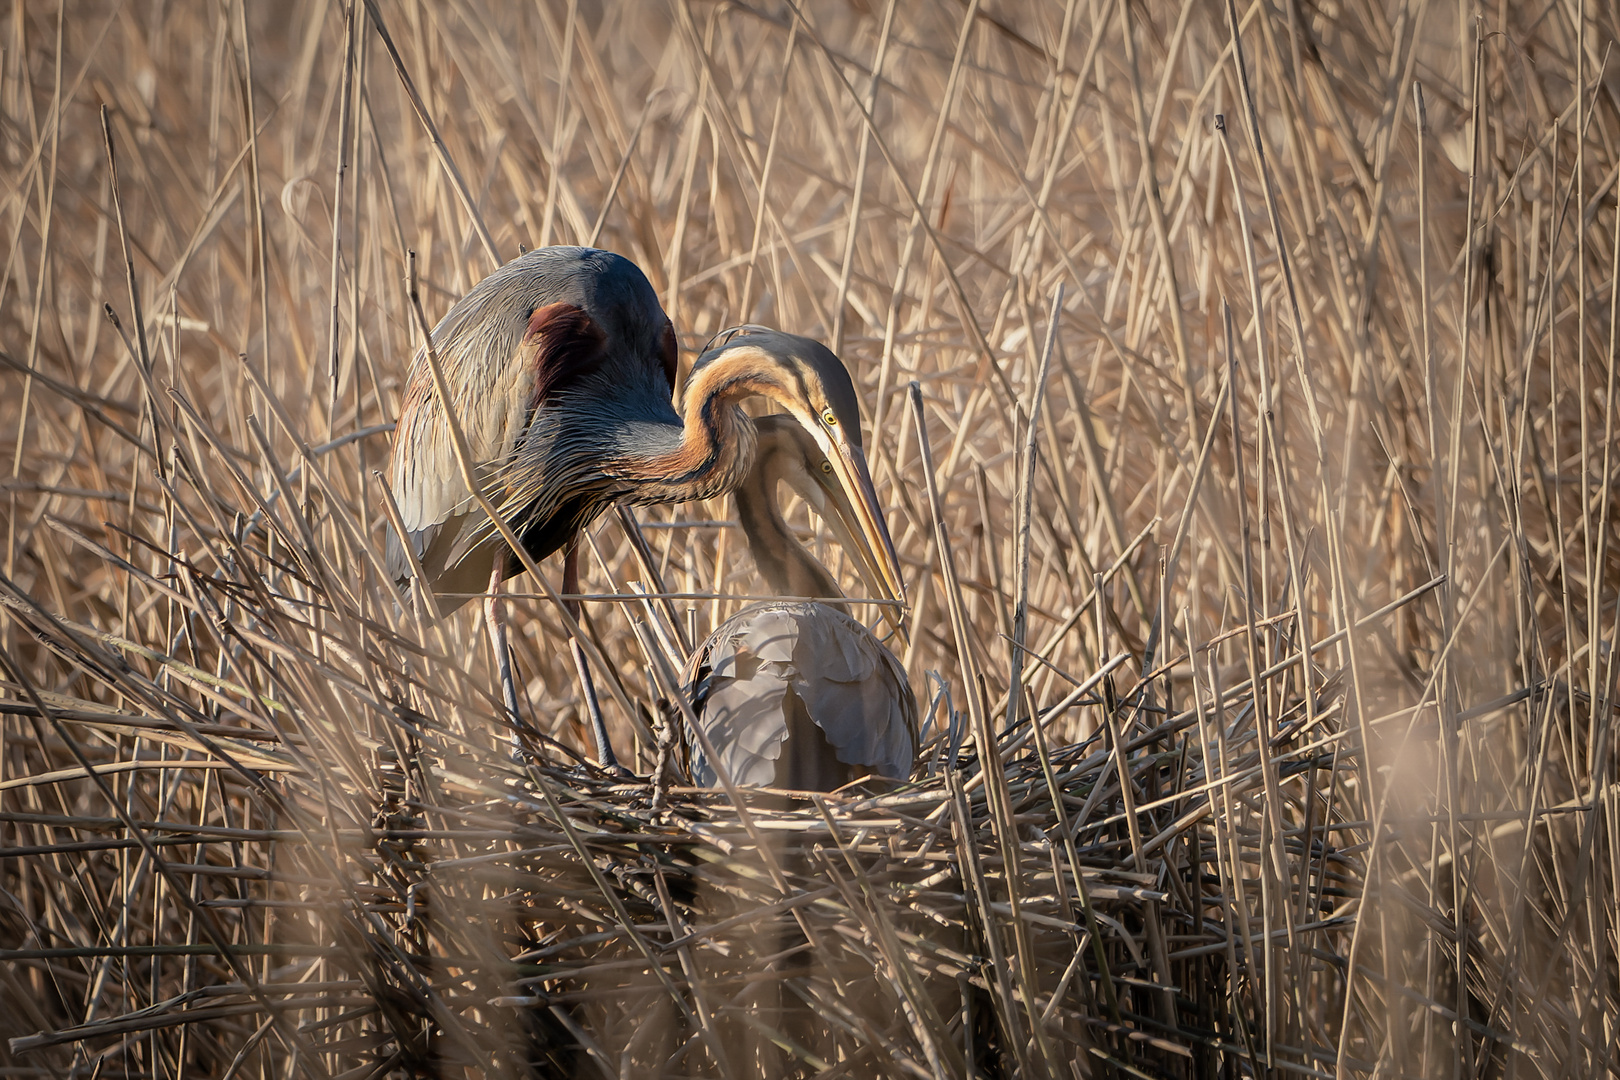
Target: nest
(415, 902)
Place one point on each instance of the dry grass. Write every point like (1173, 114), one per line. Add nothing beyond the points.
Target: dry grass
(1324, 468)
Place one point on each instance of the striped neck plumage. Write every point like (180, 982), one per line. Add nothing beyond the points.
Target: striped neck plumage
(717, 439)
(783, 562)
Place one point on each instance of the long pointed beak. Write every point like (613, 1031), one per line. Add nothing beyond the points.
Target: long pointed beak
(858, 524)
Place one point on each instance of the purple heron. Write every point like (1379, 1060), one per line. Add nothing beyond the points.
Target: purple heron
(560, 366)
(797, 694)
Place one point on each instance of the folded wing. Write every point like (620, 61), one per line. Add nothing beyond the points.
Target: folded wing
(801, 696)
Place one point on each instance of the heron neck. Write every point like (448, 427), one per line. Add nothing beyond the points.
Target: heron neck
(787, 567)
(708, 455)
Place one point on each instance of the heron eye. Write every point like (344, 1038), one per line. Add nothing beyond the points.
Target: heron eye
(826, 467)
(828, 418)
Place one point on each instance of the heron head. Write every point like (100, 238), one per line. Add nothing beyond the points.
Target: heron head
(813, 386)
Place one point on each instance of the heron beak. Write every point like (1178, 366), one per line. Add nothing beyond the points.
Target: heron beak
(857, 523)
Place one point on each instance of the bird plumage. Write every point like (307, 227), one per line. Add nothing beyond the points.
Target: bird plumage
(797, 694)
(560, 356)
(559, 367)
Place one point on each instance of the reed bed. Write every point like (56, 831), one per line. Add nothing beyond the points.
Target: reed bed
(1241, 381)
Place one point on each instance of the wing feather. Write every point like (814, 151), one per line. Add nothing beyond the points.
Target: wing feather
(801, 695)
(550, 319)
(494, 406)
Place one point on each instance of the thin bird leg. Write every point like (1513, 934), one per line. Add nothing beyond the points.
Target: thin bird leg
(587, 689)
(503, 655)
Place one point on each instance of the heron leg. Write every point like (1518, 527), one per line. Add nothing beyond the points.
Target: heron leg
(587, 688)
(503, 655)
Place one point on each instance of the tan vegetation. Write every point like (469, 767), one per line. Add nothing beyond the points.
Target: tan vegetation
(1320, 603)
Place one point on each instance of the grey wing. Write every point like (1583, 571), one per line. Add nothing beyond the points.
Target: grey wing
(442, 522)
(856, 692)
(487, 346)
(808, 681)
(739, 695)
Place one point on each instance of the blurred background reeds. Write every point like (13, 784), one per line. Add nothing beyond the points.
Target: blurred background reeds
(1291, 752)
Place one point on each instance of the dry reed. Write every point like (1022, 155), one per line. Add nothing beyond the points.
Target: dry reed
(1270, 670)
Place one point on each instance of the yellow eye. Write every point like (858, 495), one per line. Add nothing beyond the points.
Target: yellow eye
(826, 467)
(828, 418)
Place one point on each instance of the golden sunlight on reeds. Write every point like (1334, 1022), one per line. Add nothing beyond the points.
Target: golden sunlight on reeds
(1267, 677)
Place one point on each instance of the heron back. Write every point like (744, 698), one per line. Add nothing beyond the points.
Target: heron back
(799, 695)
